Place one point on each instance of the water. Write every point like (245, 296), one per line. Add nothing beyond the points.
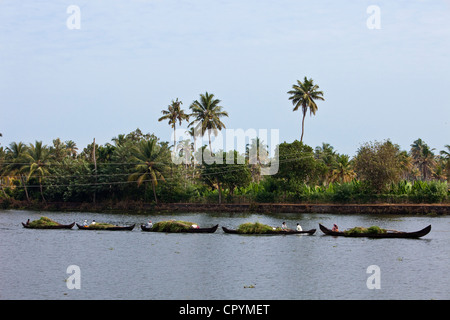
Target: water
(145, 265)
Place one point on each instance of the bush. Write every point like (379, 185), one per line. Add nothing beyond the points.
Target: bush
(256, 227)
(359, 230)
(172, 226)
(342, 193)
(43, 222)
(429, 191)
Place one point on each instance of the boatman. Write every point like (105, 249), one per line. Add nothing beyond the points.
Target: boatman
(299, 227)
(149, 224)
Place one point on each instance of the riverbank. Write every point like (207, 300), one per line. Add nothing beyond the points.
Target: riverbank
(143, 207)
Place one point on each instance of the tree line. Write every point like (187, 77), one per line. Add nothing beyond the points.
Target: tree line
(139, 167)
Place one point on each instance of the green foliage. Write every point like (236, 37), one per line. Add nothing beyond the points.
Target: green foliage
(359, 230)
(430, 191)
(101, 225)
(138, 167)
(254, 228)
(296, 165)
(378, 164)
(43, 222)
(172, 226)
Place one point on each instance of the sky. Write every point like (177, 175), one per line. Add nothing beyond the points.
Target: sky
(130, 58)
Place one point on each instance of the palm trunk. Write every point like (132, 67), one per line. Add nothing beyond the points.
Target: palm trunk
(25, 188)
(303, 126)
(42, 192)
(209, 136)
(174, 137)
(220, 193)
(154, 191)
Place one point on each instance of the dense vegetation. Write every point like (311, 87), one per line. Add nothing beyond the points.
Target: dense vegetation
(255, 228)
(139, 167)
(172, 226)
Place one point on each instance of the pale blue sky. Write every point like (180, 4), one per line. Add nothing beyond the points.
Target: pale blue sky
(131, 58)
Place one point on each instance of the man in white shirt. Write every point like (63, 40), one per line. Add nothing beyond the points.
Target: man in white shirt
(299, 227)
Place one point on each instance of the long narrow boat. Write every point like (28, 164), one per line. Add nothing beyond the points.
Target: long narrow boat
(387, 234)
(59, 226)
(115, 228)
(192, 230)
(277, 232)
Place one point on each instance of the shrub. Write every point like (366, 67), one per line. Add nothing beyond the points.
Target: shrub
(256, 227)
(358, 230)
(43, 222)
(429, 191)
(172, 226)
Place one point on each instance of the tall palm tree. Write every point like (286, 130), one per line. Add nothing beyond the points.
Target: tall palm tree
(423, 158)
(174, 114)
(16, 158)
(304, 94)
(150, 166)
(207, 112)
(38, 157)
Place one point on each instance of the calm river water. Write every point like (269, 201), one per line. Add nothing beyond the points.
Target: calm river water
(144, 265)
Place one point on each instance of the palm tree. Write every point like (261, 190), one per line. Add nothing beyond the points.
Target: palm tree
(38, 157)
(208, 112)
(303, 95)
(174, 114)
(445, 155)
(423, 157)
(71, 148)
(343, 172)
(150, 166)
(16, 158)
(256, 154)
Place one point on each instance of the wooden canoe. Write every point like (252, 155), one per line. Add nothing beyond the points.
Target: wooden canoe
(277, 232)
(388, 234)
(192, 230)
(59, 226)
(116, 228)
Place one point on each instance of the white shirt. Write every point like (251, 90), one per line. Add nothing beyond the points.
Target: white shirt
(299, 228)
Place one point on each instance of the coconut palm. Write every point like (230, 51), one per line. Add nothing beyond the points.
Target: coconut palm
(445, 155)
(344, 171)
(423, 158)
(207, 112)
(174, 114)
(38, 157)
(71, 148)
(150, 166)
(16, 157)
(304, 94)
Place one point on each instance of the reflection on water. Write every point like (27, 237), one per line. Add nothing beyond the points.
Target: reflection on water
(145, 265)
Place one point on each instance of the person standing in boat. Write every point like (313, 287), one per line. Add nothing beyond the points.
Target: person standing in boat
(149, 224)
(85, 224)
(335, 228)
(299, 227)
